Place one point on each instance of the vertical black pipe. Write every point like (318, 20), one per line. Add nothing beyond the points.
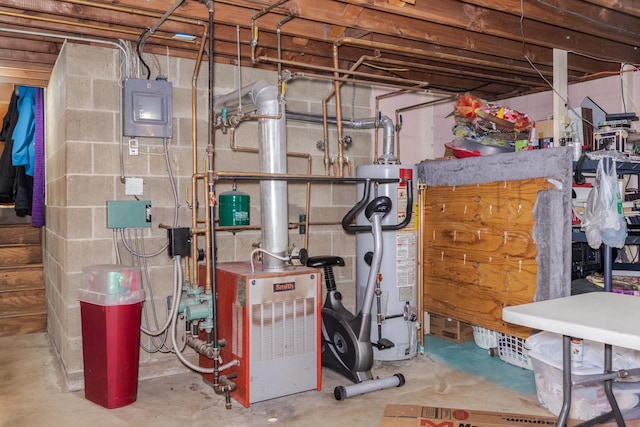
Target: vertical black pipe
(212, 191)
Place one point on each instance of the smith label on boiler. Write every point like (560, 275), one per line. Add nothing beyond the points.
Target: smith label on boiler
(284, 287)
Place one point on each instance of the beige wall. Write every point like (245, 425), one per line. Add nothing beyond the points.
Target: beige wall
(83, 172)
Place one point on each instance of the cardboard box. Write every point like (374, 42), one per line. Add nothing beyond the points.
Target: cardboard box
(449, 329)
(427, 416)
(544, 129)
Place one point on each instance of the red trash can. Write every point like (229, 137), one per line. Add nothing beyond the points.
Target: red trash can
(111, 299)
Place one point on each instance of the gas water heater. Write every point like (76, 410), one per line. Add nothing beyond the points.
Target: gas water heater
(394, 311)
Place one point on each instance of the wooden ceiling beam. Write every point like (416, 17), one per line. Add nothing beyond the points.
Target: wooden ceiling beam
(493, 31)
(25, 77)
(313, 19)
(81, 13)
(564, 13)
(628, 7)
(452, 44)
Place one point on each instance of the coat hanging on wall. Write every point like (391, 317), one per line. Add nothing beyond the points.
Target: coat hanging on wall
(22, 151)
(23, 130)
(7, 170)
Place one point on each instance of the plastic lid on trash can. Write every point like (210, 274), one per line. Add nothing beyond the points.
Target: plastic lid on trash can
(111, 284)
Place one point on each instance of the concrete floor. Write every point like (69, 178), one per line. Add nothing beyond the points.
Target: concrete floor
(33, 394)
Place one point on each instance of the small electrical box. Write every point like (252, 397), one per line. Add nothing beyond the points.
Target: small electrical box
(147, 108)
(128, 213)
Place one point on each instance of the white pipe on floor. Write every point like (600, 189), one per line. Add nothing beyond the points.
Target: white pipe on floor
(342, 392)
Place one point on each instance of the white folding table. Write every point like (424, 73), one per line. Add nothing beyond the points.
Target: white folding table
(606, 317)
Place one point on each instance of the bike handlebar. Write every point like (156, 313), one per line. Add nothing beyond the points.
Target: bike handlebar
(350, 216)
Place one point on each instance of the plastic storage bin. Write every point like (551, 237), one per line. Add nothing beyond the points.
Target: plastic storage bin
(589, 400)
(111, 299)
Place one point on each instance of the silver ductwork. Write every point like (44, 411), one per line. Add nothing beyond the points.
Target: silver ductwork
(272, 146)
(388, 140)
(388, 131)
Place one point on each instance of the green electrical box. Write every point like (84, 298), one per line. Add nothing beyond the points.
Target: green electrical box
(128, 213)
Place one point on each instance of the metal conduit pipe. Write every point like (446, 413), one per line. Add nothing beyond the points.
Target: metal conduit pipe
(263, 96)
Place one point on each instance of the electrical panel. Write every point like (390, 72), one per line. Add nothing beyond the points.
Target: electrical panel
(128, 213)
(147, 108)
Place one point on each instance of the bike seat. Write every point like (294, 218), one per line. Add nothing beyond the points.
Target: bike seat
(324, 261)
(380, 204)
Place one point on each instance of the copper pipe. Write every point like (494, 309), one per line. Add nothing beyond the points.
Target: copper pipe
(195, 230)
(383, 46)
(445, 70)
(279, 49)
(254, 27)
(422, 192)
(378, 98)
(399, 82)
(195, 274)
(415, 107)
(336, 94)
(290, 226)
(327, 158)
(256, 176)
(429, 54)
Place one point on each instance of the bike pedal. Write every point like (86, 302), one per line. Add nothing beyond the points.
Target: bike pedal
(384, 344)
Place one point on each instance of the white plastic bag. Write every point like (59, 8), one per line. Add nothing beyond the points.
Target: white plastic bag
(591, 219)
(603, 220)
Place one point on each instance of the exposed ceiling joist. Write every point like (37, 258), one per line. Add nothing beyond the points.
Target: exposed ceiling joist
(494, 49)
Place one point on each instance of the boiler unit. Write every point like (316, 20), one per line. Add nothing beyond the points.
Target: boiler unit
(394, 311)
(271, 323)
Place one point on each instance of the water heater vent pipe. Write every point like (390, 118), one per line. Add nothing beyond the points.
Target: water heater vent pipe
(272, 146)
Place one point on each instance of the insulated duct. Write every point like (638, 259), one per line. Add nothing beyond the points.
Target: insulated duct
(262, 97)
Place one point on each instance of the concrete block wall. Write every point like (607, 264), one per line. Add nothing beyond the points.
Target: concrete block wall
(83, 171)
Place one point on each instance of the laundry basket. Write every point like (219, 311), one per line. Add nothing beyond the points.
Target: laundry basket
(485, 338)
(512, 350)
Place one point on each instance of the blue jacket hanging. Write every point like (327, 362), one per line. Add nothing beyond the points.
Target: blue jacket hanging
(23, 133)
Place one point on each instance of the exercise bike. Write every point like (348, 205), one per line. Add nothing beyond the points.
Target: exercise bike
(346, 338)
